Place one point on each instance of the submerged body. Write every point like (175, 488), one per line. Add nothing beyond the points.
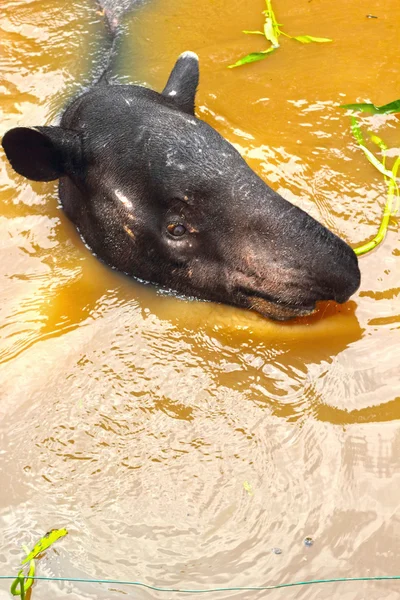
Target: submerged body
(160, 195)
(114, 10)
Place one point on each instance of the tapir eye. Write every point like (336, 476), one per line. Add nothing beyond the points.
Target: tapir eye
(176, 229)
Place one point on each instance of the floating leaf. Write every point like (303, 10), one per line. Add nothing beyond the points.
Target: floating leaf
(253, 57)
(307, 39)
(371, 108)
(270, 32)
(248, 488)
(385, 109)
(391, 107)
(45, 542)
(23, 582)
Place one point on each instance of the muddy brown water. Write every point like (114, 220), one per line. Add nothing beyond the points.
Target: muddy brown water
(136, 419)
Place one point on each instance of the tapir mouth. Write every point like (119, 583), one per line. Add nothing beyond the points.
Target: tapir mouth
(276, 309)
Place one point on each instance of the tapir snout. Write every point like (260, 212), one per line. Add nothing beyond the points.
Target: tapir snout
(160, 195)
(302, 262)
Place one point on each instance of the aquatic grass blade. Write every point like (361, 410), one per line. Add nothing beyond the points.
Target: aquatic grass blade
(385, 109)
(18, 585)
(391, 107)
(356, 131)
(252, 57)
(383, 227)
(271, 31)
(390, 178)
(378, 141)
(365, 107)
(395, 169)
(45, 542)
(24, 582)
(372, 159)
(308, 39)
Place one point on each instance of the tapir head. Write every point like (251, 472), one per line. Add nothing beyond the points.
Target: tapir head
(160, 195)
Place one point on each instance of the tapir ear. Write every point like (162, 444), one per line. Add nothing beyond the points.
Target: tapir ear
(42, 153)
(183, 81)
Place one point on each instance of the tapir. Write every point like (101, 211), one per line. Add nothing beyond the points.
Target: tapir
(158, 194)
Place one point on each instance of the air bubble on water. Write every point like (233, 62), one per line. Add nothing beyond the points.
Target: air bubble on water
(308, 541)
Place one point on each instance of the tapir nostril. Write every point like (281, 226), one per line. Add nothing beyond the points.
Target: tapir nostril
(341, 297)
(348, 281)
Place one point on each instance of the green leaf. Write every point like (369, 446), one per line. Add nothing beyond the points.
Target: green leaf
(307, 39)
(391, 107)
(385, 109)
(45, 542)
(270, 32)
(252, 32)
(250, 58)
(371, 108)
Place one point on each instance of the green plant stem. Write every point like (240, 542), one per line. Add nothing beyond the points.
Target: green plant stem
(271, 15)
(380, 236)
(390, 179)
(21, 579)
(271, 32)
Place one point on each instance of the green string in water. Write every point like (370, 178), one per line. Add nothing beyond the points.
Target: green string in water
(209, 590)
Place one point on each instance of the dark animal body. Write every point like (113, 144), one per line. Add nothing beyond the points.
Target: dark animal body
(160, 195)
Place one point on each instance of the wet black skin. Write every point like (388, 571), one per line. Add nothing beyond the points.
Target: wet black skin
(160, 195)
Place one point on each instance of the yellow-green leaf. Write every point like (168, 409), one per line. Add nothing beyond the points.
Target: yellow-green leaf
(253, 32)
(250, 58)
(45, 542)
(394, 185)
(386, 109)
(307, 39)
(378, 141)
(356, 131)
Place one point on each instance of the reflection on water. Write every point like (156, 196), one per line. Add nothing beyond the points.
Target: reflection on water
(134, 418)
